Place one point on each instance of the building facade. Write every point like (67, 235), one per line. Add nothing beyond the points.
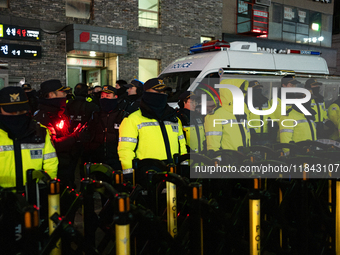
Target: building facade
(98, 42)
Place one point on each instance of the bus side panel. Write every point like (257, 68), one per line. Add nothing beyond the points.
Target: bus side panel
(247, 60)
(301, 63)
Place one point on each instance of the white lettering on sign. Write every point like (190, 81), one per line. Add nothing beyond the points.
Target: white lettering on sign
(288, 13)
(261, 14)
(182, 65)
(302, 16)
(107, 39)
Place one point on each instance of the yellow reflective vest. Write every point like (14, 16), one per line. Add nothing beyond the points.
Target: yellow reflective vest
(334, 116)
(222, 129)
(37, 156)
(141, 137)
(296, 127)
(193, 129)
(320, 109)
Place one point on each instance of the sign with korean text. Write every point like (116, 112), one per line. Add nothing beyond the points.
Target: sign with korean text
(289, 13)
(99, 39)
(19, 33)
(85, 62)
(19, 51)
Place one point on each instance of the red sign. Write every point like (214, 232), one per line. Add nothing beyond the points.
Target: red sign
(84, 37)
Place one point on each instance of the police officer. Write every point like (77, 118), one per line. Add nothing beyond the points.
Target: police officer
(52, 104)
(318, 105)
(297, 127)
(260, 125)
(334, 116)
(32, 96)
(95, 94)
(121, 89)
(223, 129)
(192, 121)
(287, 81)
(80, 110)
(153, 131)
(131, 102)
(24, 144)
(105, 129)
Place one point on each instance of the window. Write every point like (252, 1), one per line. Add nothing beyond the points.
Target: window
(4, 3)
(148, 13)
(147, 69)
(79, 8)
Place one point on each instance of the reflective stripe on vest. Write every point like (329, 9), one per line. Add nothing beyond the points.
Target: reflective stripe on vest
(128, 139)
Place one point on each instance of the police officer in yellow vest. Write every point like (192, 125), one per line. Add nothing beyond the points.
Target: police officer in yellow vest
(24, 144)
(297, 127)
(223, 129)
(334, 116)
(192, 122)
(153, 131)
(261, 124)
(318, 105)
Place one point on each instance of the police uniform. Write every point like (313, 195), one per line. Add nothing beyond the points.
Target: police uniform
(296, 127)
(105, 130)
(223, 129)
(25, 145)
(334, 116)
(130, 103)
(193, 125)
(51, 114)
(318, 105)
(261, 124)
(149, 133)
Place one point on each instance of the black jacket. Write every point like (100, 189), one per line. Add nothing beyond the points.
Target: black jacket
(105, 130)
(129, 104)
(64, 141)
(80, 111)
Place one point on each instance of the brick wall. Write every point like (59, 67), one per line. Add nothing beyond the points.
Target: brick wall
(181, 25)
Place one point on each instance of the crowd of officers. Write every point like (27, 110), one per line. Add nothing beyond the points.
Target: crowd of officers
(57, 129)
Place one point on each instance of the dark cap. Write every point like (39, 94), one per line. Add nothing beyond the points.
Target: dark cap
(312, 81)
(50, 86)
(255, 84)
(289, 79)
(134, 83)
(156, 84)
(26, 86)
(187, 95)
(13, 99)
(109, 89)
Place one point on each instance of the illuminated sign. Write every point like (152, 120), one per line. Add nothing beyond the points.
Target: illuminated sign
(85, 62)
(19, 33)
(19, 51)
(101, 38)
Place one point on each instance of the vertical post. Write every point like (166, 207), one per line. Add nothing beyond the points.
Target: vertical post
(196, 223)
(254, 220)
(88, 211)
(54, 207)
(171, 205)
(31, 189)
(122, 219)
(337, 218)
(31, 220)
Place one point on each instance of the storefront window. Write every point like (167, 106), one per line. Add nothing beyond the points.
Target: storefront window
(300, 26)
(79, 8)
(148, 13)
(147, 69)
(4, 3)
